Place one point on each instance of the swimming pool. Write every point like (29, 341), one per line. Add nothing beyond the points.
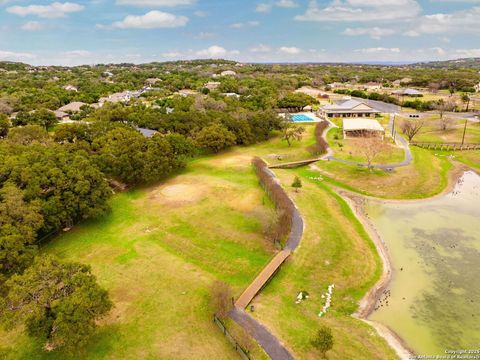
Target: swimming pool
(301, 118)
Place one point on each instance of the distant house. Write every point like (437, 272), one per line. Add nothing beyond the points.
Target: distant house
(348, 108)
(407, 92)
(212, 85)
(372, 86)
(362, 128)
(186, 92)
(337, 85)
(72, 107)
(228, 73)
(315, 93)
(123, 96)
(477, 87)
(70, 88)
(152, 81)
(61, 115)
(230, 94)
(147, 132)
(107, 74)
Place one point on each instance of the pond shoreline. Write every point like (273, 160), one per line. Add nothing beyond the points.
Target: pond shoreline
(367, 304)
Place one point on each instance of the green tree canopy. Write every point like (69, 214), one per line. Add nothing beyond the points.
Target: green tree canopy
(215, 138)
(57, 302)
(19, 223)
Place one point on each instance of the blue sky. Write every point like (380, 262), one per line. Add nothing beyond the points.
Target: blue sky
(86, 32)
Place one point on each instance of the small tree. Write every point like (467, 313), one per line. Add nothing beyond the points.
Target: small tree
(466, 101)
(411, 127)
(445, 123)
(371, 148)
(57, 302)
(222, 296)
(292, 131)
(4, 125)
(297, 183)
(323, 340)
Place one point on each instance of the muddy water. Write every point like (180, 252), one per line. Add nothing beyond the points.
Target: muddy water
(433, 301)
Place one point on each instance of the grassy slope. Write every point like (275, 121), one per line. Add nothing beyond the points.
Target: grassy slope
(349, 149)
(425, 177)
(157, 255)
(431, 133)
(335, 249)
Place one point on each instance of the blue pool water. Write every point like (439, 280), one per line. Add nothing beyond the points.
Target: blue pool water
(301, 118)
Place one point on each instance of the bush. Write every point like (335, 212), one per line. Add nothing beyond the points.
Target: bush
(320, 147)
(284, 205)
(323, 340)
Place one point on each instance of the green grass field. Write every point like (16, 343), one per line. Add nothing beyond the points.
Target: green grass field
(158, 253)
(350, 149)
(161, 248)
(335, 249)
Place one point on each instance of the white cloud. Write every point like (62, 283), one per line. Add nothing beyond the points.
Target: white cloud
(361, 11)
(438, 50)
(214, 51)
(173, 54)
(78, 53)
(260, 49)
(464, 21)
(466, 53)
(11, 55)
(263, 8)
(33, 26)
(155, 3)
(54, 10)
(286, 3)
(151, 20)
(377, 50)
(290, 50)
(247, 24)
(374, 32)
(267, 7)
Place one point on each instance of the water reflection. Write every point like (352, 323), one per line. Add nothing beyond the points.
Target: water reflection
(434, 298)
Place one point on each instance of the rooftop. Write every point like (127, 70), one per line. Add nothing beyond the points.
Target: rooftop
(362, 124)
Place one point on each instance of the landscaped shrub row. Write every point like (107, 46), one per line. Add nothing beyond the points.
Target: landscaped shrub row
(321, 146)
(284, 205)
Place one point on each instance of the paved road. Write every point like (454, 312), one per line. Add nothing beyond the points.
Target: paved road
(272, 346)
(408, 154)
(381, 106)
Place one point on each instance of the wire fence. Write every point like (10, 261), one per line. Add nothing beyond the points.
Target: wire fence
(241, 351)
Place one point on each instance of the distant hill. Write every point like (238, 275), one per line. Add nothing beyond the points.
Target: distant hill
(10, 65)
(466, 63)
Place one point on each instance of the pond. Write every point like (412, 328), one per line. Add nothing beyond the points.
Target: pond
(433, 300)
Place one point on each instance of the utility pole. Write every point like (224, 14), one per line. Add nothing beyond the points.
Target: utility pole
(464, 131)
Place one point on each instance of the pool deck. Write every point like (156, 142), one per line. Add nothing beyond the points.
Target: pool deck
(310, 115)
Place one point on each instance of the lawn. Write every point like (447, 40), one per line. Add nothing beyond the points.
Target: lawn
(335, 249)
(351, 149)
(425, 177)
(277, 150)
(432, 133)
(158, 253)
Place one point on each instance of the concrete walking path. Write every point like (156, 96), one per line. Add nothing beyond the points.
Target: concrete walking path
(408, 154)
(269, 342)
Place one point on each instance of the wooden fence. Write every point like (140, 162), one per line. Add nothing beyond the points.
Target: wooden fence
(446, 146)
(243, 354)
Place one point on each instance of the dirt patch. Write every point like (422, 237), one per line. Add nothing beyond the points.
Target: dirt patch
(175, 194)
(235, 161)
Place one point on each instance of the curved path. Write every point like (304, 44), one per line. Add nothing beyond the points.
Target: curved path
(408, 154)
(272, 346)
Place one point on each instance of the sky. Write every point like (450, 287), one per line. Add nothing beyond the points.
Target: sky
(137, 31)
